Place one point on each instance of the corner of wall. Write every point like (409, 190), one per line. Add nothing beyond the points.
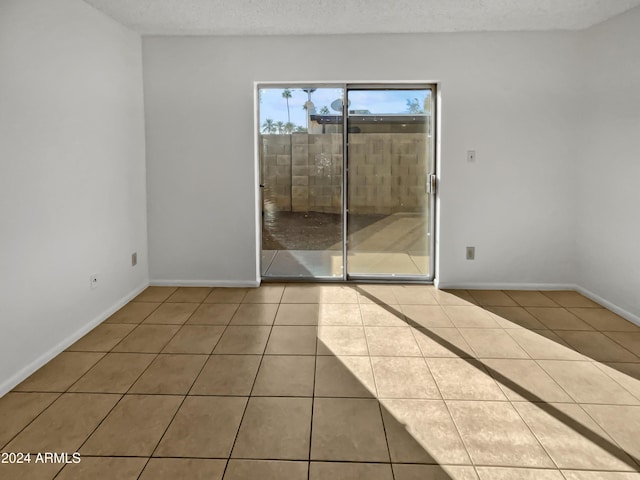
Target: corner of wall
(7, 384)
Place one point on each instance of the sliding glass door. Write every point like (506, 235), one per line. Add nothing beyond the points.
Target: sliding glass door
(338, 207)
(389, 155)
(301, 163)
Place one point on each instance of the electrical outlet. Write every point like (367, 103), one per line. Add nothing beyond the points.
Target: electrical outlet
(471, 155)
(134, 259)
(471, 253)
(93, 281)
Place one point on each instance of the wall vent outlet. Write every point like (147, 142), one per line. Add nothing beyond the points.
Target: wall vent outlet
(471, 155)
(134, 259)
(93, 281)
(471, 253)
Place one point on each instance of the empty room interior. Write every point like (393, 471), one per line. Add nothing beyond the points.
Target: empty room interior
(320, 240)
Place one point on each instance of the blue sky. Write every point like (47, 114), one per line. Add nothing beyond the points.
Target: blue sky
(274, 106)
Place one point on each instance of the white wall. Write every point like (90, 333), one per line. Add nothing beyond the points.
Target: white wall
(72, 176)
(509, 96)
(608, 230)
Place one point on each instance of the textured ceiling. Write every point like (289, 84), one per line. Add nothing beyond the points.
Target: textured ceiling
(299, 17)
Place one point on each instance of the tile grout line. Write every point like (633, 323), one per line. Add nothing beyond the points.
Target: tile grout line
(523, 306)
(81, 376)
(136, 324)
(455, 326)
(183, 398)
(137, 378)
(192, 383)
(637, 397)
(122, 395)
(479, 465)
(377, 393)
(140, 376)
(604, 332)
(246, 406)
(455, 425)
(373, 375)
(633, 458)
(479, 358)
(492, 373)
(530, 428)
(452, 399)
(575, 400)
(185, 395)
(464, 443)
(108, 351)
(565, 309)
(313, 390)
(386, 438)
(59, 394)
(375, 386)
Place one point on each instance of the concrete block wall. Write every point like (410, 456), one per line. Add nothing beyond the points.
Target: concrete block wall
(303, 172)
(275, 164)
(388, 172)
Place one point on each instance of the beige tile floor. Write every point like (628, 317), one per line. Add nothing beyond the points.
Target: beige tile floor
(338, 382)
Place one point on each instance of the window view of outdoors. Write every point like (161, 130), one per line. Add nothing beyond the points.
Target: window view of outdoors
(301, 161)
(302, 166)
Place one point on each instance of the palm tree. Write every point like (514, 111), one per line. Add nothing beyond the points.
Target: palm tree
(413, 106)
(286, 94)
(309, 92)
(289, 127)
(268, 126)
(325, 110)
(280, 127)
(301, 129)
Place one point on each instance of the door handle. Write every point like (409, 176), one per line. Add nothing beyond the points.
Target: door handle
(432, 184)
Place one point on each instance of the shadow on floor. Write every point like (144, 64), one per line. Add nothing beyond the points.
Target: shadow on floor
(587, 433)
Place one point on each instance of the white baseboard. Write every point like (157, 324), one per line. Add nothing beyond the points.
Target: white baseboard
(205, 283)
(611, 306)
(61, 346)
(506, 286)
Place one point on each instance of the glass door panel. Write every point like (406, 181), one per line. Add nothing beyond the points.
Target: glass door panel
(301, 168)
(389, 157)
